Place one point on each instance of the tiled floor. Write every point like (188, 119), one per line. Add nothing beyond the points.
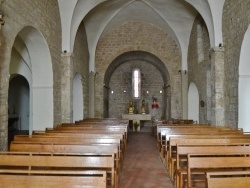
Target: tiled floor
(142, 166)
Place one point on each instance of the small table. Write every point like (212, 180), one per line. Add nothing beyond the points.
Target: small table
(136, 118)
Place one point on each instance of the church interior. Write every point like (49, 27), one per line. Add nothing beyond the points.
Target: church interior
(146, 65)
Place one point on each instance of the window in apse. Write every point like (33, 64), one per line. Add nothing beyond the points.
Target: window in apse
(136, 83)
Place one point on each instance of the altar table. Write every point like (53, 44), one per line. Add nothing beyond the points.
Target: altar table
(137, 118)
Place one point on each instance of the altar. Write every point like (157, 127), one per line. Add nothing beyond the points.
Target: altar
(137, 118)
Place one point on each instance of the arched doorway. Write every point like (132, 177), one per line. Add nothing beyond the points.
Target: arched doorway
(77, 98)
(193, 102)
(31, 58)
(244, 84)
(19, 103)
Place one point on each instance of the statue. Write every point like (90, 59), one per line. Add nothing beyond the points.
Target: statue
(131, 108)
(143, 107)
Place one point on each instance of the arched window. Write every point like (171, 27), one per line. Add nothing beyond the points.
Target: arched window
(136, 83)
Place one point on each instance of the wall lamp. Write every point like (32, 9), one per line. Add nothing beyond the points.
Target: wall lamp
(184, 71)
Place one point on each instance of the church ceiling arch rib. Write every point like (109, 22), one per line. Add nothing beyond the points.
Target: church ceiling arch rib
(164, 14)
(176, 17)
(72, 13)
(97, 20)
(211, 11)
(136, 55)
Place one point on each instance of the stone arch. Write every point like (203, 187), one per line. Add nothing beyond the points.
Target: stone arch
(77, 98)
(135, 55)
(142, 56)
(244, 86)
(31, 58)
(159, 43)
(193, 102)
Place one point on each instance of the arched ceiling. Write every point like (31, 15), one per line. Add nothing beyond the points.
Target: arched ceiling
(176, 17)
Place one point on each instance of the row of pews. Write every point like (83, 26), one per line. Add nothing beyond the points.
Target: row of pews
(88, 153)
(197, 155)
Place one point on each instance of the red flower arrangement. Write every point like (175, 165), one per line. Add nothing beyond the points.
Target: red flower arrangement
(155, 105)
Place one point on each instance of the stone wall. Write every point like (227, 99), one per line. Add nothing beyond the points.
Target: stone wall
(199, 66)
(44, 16)
(121, 85)
(236, 19)
(81, 64)
(145, 37)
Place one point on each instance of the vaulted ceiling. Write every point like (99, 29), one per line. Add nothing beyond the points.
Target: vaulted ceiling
(176, 17)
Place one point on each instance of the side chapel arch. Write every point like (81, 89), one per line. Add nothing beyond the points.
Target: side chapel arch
(31, 58)
(244, 84)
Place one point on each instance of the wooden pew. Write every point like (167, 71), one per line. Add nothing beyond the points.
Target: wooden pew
(173, 137)
(96, 138)
(228, 179)
(50, 179)
(58, 162)
(101, 120)
(163, 132)
(171, 122)
(233, 162)
(207, 140)
(200, 134)
(184, 150)
(89, 130)
(71, 140)
(85, 134)
(69, 148)
(178, 121)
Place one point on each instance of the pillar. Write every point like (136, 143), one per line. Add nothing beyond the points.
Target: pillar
(67, 87)
(4, 87)
(184, 89)
(217, 87)
(91, 94)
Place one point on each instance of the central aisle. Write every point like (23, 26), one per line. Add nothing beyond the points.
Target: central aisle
(142, 166)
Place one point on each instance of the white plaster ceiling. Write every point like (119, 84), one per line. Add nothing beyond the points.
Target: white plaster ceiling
(176, 17)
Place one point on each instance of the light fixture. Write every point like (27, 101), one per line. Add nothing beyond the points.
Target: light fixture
(124, 91)
(112, 92)
(147, 92)
(160, 91)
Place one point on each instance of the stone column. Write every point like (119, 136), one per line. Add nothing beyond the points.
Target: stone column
(167, 101)
(217, 87)
(91, 94)
(4, 87)
(67, 87)
(184, 89)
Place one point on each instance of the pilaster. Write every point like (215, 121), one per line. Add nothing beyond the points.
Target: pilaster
(67, 87)
(184, 89)
(92, 94)
(217, 86)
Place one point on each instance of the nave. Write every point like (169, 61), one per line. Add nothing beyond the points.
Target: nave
(142, 166)
(104, 153)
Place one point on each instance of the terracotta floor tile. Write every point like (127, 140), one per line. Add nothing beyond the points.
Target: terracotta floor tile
(142, 166)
